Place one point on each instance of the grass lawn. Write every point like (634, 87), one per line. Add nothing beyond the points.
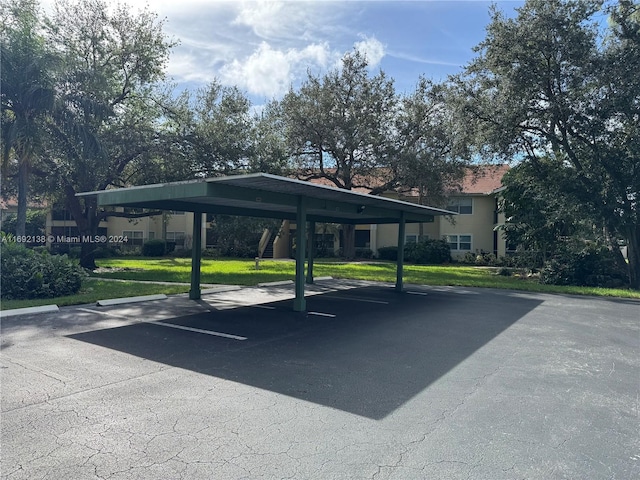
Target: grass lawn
(243, 272)
(94, 290)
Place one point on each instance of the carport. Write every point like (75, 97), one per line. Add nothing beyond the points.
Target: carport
(271, 196)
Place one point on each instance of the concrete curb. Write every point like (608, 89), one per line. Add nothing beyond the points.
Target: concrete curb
(227, 288)
(315, 279)
(29, 310)
(120, 301)
(276, 284)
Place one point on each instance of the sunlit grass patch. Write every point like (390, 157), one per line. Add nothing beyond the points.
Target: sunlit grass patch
(93, 290)
(243, 272)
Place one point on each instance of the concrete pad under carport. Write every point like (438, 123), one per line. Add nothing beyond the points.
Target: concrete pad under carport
(453, 383)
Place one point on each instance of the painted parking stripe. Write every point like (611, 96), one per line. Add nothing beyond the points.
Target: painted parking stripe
(171, 325)
(320, 314)
(199, 330)
(417, 293)
(356, 299)
(109, 314)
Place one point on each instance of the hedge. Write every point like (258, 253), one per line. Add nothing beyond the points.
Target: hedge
(422, 253)
(30, 274)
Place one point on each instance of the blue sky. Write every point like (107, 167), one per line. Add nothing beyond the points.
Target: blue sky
(263, 47)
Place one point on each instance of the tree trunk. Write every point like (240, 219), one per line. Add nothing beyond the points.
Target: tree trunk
(87, 256)
(421, 202)
(633, 255)
(348, 241)
(23, 193)
(87, 221)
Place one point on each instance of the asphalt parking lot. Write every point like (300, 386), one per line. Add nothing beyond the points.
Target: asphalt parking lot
(436, 382)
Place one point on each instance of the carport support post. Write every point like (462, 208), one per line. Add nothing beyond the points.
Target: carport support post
(299, 303)
(311, 249)
(196, 256)
(400, 267)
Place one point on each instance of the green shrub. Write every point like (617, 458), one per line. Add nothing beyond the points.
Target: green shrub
(130, 251)
(239, 251)
(324, 251)
(209, 253)
(364, 253)
(106, 252)
(504, 272)
(595, 266)
(27, 274)
(154, 248)
(523, 259)
(388, 253)
(425, 252)
(428, 251)
(481, 258)
(182, 253)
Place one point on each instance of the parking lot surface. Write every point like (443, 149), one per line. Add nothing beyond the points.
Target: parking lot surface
(435, 382)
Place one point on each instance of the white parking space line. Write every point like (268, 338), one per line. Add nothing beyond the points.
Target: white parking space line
(417, 293)
(101, 313)
(264, 307)
(199, 330)
(320, 314)
(357, 299)
(171, 325)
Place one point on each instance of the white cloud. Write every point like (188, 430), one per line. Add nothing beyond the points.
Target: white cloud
(372, 49)
(270, 72)
(263, 17)
(292, 21)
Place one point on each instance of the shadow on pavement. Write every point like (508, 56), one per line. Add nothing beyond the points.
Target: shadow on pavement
(366, 351)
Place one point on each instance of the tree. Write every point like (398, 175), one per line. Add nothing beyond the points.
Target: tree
(337, 129)
(35, 225)
(221, 131)
(544, 85)
(425, 151)
(108, 114)
(533, 220)
(269, 152)
(27, 94)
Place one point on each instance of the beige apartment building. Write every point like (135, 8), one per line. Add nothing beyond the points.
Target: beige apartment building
(472, 230)
(172, 226)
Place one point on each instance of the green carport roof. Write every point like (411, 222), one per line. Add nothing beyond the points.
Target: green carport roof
(266, 195)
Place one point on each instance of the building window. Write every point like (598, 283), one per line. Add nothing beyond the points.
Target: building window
(177, 237)
(59, 213)
(411, 238)
(459, 242)
(362, 239)
(460, 205)
(134, 237)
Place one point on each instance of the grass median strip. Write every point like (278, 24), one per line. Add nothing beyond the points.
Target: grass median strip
(243, 272)
(170, 271)
(94, 290)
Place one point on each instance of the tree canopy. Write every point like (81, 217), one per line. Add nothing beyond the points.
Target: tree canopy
(27, 94)
(353, 130)
(547, 84)
(85, 107)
